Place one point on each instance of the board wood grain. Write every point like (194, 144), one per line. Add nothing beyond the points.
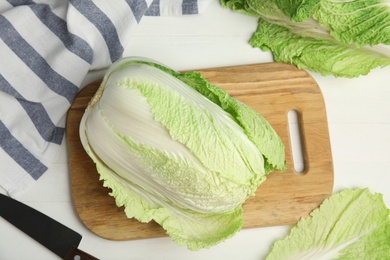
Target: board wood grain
(270, 88)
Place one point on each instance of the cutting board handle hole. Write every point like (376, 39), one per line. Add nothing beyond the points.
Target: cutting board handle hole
(295, 134)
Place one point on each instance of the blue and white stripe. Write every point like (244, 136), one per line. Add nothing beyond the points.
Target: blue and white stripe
(46, 49)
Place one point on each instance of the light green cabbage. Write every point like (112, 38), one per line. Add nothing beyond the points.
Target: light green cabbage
(353, 224)
(177, 150)
(345, 38)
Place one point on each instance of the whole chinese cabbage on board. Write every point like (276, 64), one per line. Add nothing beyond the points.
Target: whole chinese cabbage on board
(345, 38)
(177, 150)
(352, 224)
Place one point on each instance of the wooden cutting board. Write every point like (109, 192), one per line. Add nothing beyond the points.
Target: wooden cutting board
(272, 89)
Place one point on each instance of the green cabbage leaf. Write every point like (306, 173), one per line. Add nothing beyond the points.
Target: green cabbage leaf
(321, 55)
(177, 150)
(352, 224)
(340, 38)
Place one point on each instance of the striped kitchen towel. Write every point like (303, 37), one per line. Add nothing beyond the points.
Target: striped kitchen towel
(46, 49)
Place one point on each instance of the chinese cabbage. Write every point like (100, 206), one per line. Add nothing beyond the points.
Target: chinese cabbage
(177, 150)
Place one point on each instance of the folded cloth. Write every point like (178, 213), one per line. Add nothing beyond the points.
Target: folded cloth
(46, 49)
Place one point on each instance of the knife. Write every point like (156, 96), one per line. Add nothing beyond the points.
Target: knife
(56, 237)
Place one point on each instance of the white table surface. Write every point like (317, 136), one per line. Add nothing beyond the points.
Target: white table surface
(359, 123)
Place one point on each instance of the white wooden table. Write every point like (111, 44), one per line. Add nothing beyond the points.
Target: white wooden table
(359, 124)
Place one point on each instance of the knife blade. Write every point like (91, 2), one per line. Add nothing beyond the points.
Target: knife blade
(53, 235)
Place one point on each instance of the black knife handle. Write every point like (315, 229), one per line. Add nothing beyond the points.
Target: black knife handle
(77, 254)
